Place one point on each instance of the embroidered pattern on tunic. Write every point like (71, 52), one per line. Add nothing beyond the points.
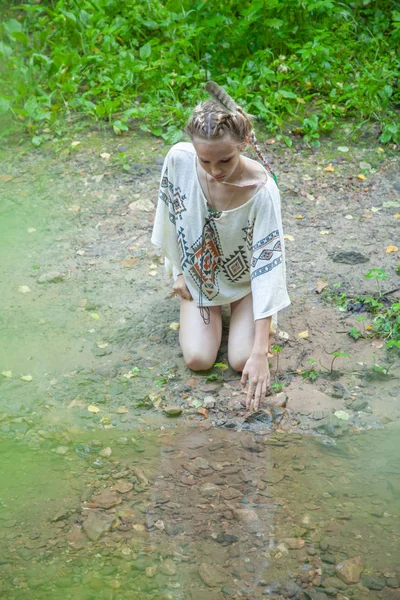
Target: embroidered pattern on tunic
(249, 233)
(184, 253)
(269, 246)
(236, 266)
(174, 199)
(205, 261)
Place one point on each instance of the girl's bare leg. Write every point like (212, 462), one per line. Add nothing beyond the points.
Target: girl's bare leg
(241, 332)
(199, 342)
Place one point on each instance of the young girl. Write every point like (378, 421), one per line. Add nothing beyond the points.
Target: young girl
(218, 222)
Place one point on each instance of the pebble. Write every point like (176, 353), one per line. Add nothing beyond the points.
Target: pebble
(212, 575)
(350, 570)
(105, 453)
(208, 402)
(172, 411)
(106, 499)
(167, 567)
(50, 277)
(123, 487)
(96, 524)
(373, 582)
(349, 258)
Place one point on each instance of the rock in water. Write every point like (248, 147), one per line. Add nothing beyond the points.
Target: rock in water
(96, 524)
(372, 582)
(107, 499)
(50, 277)
(332, 426)
(350, 570)
(212, 575)
(248, 518)
(168, 567)
(173, 411)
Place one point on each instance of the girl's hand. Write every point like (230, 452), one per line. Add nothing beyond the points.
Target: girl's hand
(180, 288)
(256, 374)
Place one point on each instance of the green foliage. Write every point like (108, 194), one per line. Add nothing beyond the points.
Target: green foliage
(378, 275)
(355, 333)
(277, 386)
(312, 373)
(312, 62)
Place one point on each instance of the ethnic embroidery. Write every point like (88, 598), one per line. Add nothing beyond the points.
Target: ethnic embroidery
(248, 234)
(184, 254)
(236, 266)
(268, 250)
(205, 261)
(178, 202)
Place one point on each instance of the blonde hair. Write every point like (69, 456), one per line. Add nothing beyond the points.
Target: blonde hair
(210, 121)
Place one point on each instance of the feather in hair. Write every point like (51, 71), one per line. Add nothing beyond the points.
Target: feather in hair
(221, 96)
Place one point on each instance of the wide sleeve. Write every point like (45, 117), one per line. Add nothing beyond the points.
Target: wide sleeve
(267, 267)
(164, 230)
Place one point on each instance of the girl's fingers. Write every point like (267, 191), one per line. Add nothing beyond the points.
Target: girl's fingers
(250, 394)
(257, 395)
(244, 379)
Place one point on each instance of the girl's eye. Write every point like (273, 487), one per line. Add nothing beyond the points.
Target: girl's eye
(226, 160)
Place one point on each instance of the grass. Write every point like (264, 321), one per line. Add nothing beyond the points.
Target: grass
(301, 67)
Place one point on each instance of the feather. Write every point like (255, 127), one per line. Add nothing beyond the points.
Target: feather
(221, 96)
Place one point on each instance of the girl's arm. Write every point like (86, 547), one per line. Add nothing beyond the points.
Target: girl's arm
(256, 370)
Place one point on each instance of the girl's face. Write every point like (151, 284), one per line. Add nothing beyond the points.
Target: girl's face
(220, 157)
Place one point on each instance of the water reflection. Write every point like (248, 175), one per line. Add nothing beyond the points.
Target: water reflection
(202, 513)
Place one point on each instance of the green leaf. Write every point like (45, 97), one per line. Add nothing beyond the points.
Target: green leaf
(287, 94)
(4, 105)
(221, 366)
(5, 50)
(12, 26)
(145, 51)
(36, 140)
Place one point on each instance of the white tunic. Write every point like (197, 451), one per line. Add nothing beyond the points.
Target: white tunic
(225, 258)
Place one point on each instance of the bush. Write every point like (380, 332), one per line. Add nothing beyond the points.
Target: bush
(314, 62)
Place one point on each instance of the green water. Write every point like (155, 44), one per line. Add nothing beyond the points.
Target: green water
(340, 501)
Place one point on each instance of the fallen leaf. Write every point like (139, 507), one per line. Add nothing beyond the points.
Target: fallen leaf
(80, 252)
(343, 149)
(122, 410)
(31, 230)
(391, 249)
(349, 217)
(74, 208)
(321, 285)
(203, 412)
(93, 409)
(306, 177)
(24, 289)
(26, 377)
(105, 155)
(6, 373)
(283, 335)
(129, 262)
(288, 237)
(76, 143)
(299, 217)
(341, 414)
(324, 232)
(102, 344)
(375, 209)
(5, 178)
(396, 216)
(365, 166)
(153, 273)
(303, 334)
(381, 150)
(95, 316)
(330, 168)
(174, 326)
(197, 403)
(361, 176)
(270, 141)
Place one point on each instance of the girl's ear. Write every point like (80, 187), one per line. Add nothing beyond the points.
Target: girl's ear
(243, 144)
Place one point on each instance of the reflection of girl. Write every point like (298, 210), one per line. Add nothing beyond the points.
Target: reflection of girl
(218, 222)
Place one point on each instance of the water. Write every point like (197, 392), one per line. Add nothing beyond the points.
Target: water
(209, 510)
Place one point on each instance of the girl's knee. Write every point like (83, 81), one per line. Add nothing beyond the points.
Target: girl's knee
(198, 362)
(237, 363)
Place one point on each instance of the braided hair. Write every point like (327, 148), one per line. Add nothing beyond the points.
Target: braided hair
(220, 116)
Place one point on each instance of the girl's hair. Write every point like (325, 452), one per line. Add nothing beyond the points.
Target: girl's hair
(215, 118)
(210, 121)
